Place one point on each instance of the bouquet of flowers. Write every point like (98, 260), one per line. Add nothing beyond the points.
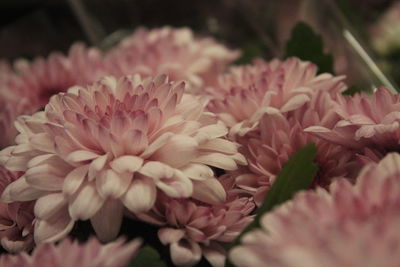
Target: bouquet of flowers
(162, 152)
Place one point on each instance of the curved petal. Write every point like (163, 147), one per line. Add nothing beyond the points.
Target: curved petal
(85, 203)
(140, 196)
(107, 221)
(185, 253)
(54, 228)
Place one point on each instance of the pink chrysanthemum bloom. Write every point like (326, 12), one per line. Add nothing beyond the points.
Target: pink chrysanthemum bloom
(193, 229)
(350, 226)
(16, 219)
(283, 85)
(172, 51)
(71, 253)
(43, 77)
(96, 150)
(278, 136)
(364, 121)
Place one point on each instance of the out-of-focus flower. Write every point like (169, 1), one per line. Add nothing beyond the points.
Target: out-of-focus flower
(194, 229)
(385, 33)
(16, 219)
(350, 226)
(364, 122)
(175, 52)
(114, 144)
(278, 136)
(43, 77)
(27, 87)
(71, 253)
(285, 86)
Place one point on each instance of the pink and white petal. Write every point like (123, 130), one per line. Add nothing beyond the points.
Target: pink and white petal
(97, 165)
(107, 221)
(81, 155)
(185, 253)
(85, 203)
(156, 170)
(218, 160)
(295, 102)
(48, 205)
(54, 228)
(20, 190)
(141, 195)
(42, 142)
(112, 184)
(125, 253)
(220, 145)
(126, 164)
(184, 147)
(196, 171)
(177, 186)
(169, 235)
(74, 179)
(209, 191)
(42, 177)
(215, 254)
(156, 144)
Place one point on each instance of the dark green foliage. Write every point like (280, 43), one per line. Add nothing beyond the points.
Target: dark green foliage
(305, 44)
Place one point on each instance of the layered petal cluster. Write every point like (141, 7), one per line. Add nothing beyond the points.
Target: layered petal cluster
(193, 229)
(278, 136)
(364, 121)
(172, 51)
(352, 225)
(71, 253)
(283, 85)
(16, 219)
(95, 150)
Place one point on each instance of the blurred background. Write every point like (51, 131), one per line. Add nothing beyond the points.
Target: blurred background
(361, 34)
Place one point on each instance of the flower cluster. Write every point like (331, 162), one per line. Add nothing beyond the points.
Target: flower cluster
(352, 225)
(159, 129)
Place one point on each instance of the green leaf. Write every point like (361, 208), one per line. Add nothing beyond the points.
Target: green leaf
(147, 257)
(305, 44)
(297, 174)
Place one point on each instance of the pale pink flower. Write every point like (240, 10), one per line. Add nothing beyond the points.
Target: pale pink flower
(279, 136)
(172, 51)
(384, 34)
(283, 85)
(41, 78)
(71, 253)
(16, 219)
(114, 144)
(350, 226)
(364, 121)
(27, 87)
(193, 229)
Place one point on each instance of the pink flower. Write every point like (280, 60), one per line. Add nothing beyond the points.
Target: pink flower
(350, 226)
(28, 87)
(194, 229)
(384, 33)
(114, 144)
(43, 77)
(172, 51)
(15, 218)
(364, 121)
(70, 253)
(285, 86)
(278, 136)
